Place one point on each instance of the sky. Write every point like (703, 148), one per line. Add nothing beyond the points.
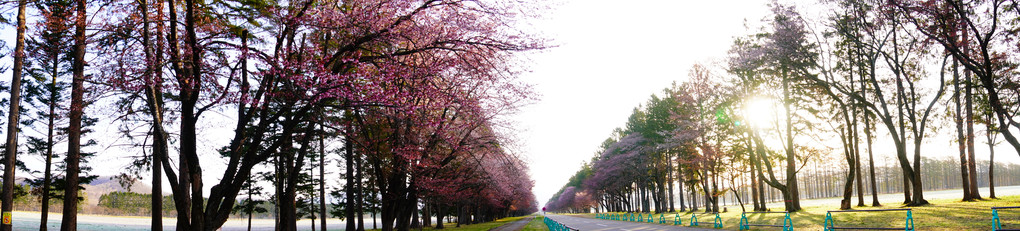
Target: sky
(611, 57)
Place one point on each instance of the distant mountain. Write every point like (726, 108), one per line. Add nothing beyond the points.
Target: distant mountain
(107, 184)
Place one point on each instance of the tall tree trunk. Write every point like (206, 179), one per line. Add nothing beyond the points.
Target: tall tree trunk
(680, 191)
(761, 183)
(414, 218)
(753, 184)
(788, 200)
(349, 187)
(426, 213)
(856, 141)
(461, 215)
(867, 137)
(440, 213)
(288, 218)
(409, 206)
(50, 127)
(902, 153)
(69, 221)
(642, 189)
(662, 195)
(182, 196)
(322, 179)
(707, 196)
(871, 162)
(158, 150)
(244, 95)
(191, 87)
(694, 198)
(360, 195)
(293, 163)
(648, 195)
(755, 181)
(991, 161)
(961, 139)
(11, 152)
(845, 203)
(715, 193)
(793, 200)
(656, 203)
(252, 211)
(277, 207)
(669, 178)
(971, 163)
(154, 100)
(916, 183)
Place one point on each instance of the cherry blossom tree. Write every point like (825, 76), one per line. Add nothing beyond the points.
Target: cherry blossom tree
(436, 72)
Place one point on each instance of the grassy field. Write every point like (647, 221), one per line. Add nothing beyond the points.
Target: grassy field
(940, 215)
(536, 224)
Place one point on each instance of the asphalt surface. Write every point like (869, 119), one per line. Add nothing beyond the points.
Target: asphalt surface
(591, 224)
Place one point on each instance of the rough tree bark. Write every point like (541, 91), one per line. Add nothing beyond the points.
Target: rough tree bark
(50, 127)
(960, 138)
(971, 163)
(10, 155)
(322, 179)
(69, 221)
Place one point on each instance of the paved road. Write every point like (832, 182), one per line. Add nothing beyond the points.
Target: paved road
(514, 226)
(591, 224)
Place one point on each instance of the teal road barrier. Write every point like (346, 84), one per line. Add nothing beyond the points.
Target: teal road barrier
(997, 219)
(556, 226)
(640, 217)
(830, 223)
(716, 223)
(745, 224)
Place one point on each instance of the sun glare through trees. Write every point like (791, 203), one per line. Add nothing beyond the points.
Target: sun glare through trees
(761, 112)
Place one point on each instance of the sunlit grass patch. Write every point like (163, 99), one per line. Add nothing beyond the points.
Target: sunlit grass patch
(536, 224)
(948, 215)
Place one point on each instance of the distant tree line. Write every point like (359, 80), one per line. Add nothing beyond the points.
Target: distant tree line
(131, 203)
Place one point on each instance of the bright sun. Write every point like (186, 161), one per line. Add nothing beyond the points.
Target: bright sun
(760, 112)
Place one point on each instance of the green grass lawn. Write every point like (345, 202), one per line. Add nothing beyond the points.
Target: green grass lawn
(940, 215)
(536, 224)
